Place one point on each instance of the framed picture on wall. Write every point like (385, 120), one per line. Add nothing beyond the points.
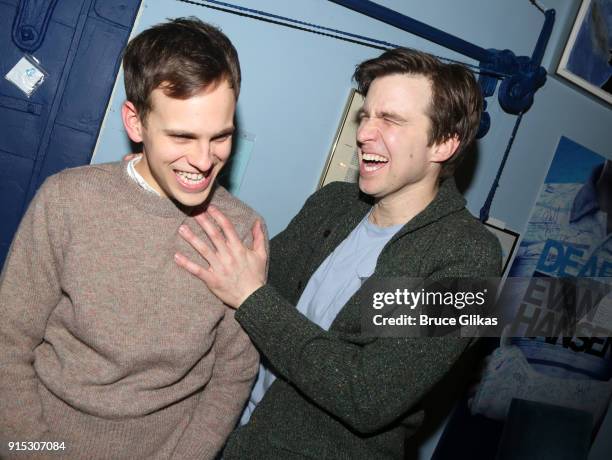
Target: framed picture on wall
(507, 239)
(342, 163)
(587, 57)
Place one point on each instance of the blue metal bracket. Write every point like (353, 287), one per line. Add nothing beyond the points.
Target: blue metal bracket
(522, 76)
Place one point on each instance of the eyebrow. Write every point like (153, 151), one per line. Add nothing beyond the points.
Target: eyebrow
(189, 135)
(183, 134)
(384, 114)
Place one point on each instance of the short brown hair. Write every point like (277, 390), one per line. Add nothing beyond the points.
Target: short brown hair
(182, 56)
(456, 99)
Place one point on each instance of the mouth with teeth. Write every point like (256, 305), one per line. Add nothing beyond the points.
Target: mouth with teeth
(193, 182)
(371, 162)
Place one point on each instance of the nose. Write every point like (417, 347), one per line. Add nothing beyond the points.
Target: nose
(201, 156)
(367, 129)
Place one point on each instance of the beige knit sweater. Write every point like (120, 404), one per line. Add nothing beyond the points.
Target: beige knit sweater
(105, 343)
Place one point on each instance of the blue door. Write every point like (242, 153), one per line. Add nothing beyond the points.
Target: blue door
(78, 45)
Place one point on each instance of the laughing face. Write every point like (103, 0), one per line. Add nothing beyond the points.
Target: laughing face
(186, 141)
(394, 155)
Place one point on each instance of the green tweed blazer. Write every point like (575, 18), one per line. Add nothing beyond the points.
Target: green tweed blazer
(341, 395)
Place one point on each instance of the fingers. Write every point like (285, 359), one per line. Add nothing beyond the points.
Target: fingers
(226, 226)
(259, 245)
(196, 243)
(212, 231)
(193, 268)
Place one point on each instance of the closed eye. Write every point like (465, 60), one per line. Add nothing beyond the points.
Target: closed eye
(181, 136)
(392, 117)
(392, 120)
(386, 117)
(222, 137)
(179, 139)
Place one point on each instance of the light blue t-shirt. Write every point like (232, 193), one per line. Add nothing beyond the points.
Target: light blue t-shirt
(331, 286)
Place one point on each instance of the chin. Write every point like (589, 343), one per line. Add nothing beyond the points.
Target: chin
(368, 190)
(192, 201)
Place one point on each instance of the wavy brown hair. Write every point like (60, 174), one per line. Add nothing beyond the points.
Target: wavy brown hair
(182, 57)
(456, 99)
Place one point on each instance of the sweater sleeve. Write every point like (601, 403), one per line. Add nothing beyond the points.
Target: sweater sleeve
(224, 397)
(366, 385)
(29, 291)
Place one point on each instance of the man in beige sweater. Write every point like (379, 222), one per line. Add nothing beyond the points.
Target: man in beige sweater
(107, 348)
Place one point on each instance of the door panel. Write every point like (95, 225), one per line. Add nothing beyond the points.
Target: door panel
(57, 126)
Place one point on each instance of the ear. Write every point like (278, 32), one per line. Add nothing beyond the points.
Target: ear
(445, 150)
(131, 121)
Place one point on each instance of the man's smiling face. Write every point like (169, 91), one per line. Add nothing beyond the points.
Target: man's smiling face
(393, 136)
(186, 142)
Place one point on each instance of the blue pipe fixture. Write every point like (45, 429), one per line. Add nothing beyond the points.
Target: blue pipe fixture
(521, 76)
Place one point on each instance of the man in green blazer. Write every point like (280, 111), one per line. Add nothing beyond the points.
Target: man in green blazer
(337, 393)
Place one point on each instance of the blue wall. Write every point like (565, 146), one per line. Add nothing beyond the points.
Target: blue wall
(296, 84)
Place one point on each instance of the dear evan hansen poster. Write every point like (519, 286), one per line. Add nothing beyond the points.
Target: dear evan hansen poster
(560, 279)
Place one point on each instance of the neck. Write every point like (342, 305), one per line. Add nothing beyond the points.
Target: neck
(142, 168)
(402, 206)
